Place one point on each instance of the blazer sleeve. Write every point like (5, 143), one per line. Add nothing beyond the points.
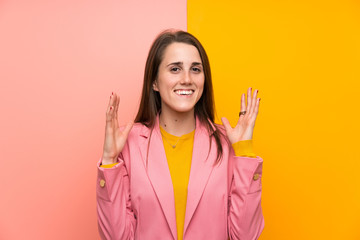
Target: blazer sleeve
(245, 218)
(116, 219)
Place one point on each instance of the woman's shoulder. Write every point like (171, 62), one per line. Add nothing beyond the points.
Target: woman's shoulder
(139, 129)
(220, 128)
(138, 126)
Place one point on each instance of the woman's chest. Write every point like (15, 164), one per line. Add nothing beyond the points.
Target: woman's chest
(147, 189)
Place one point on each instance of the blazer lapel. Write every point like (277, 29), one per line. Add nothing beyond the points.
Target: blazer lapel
(201, 168)
(159, 174)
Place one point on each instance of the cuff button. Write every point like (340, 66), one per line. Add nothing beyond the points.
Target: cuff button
(256, 176)
(102, 183)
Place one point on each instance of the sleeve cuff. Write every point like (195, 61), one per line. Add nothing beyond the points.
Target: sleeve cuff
(244, 148)
(108, 165)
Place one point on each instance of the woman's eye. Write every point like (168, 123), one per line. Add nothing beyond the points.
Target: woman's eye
(196, 69)
(175, 69)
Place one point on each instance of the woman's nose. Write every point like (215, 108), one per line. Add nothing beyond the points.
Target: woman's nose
(186, 79)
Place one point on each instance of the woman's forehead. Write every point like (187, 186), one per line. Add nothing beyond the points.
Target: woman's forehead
(181, 53)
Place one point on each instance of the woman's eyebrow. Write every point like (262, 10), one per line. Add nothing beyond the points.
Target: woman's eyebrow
(181, 63)
(175, 63)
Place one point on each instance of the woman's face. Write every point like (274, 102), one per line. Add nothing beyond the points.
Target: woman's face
(180, 79)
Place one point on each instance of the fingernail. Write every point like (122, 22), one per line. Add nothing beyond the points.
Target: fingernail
(112, 93)
(259, 99)
(257, 91)
(111, 108)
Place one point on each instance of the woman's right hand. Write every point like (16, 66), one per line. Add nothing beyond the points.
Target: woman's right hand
(115, 138)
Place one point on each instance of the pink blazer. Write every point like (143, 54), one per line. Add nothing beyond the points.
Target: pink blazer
(135, 198)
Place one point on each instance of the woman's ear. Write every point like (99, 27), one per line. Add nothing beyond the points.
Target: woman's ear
(155, 87)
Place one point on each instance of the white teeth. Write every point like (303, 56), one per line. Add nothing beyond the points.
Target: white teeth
(184, 92)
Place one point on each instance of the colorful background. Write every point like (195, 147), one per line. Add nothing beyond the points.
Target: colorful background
(60, 61)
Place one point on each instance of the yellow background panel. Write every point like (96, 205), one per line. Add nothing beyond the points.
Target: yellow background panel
(304, 57)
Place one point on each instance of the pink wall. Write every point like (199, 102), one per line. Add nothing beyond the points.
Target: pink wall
(59, 63)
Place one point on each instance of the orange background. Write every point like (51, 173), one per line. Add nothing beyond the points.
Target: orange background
(304, 56)
(59, 63)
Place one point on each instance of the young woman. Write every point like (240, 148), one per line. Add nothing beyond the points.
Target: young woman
(174, 174)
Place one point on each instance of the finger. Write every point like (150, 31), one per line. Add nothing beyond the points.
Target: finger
(243, 105)
(113, 105)
(253, 101)
(116, 121)
(248, 99)
(117, 105)
(226, 124)
(257, 106)
(110, 108)
(109, 104)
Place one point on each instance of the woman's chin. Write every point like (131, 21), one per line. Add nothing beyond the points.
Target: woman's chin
(183, 109)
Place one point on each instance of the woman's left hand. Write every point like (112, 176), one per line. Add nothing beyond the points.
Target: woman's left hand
(246, 123)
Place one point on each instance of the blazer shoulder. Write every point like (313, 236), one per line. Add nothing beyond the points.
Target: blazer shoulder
(220, 127)
(223, 136)
(139, 129)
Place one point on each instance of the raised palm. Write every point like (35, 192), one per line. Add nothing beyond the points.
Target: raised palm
(246, 123)
(115, 137)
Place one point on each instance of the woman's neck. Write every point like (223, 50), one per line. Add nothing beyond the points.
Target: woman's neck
(176, 123)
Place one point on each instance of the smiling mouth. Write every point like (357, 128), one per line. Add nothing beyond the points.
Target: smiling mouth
(184, 92)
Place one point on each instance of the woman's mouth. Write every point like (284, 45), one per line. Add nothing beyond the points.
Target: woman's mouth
(187, 92)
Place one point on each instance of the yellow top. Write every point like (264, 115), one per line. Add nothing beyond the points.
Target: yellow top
(179, 162)
(178, 152)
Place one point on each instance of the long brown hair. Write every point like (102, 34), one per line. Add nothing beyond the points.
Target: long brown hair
(150, 104)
